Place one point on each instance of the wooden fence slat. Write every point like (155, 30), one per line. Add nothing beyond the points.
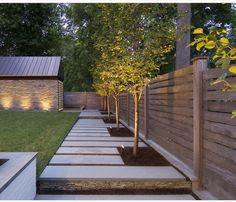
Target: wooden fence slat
(219, 95)
(178, 73)
(172, 82)
(220, 106)
(174, 110)
(187, 87)
(220, 128)
(217, 117)
(173, 103)
(177, 96)
(215, 73)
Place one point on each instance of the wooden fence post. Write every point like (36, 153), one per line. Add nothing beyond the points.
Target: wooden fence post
(199, 66)
(146, 111)
(127, 101)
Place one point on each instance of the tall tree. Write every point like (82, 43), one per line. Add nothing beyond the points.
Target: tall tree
(134, 38)
(183, 35)
(30, 29)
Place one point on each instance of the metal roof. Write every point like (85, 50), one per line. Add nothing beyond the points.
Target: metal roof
(30, 66)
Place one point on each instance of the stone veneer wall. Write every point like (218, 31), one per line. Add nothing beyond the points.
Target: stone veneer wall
(29, 95)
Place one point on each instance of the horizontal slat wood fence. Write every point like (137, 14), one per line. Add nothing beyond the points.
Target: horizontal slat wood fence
(90, 100)
(219, 137)
(191, 119)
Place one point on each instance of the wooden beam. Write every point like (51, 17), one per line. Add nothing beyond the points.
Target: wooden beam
(199, 66)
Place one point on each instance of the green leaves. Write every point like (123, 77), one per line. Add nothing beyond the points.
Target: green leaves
(223, 54)
(210, 45)
(200, 45)
(224, 41)
(198, 31)
(234, 114)
(232, 69)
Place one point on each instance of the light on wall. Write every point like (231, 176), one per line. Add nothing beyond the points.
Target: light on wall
(6, 101)
(46, 103)
(25, 102)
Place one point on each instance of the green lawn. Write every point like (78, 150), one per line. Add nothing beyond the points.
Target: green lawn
(40, 132)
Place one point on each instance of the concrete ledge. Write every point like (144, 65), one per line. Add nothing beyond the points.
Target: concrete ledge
(18, 176)
(115, 197)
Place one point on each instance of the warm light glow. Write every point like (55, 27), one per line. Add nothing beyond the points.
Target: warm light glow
(25, 102)
(6, 101)
(46, 103)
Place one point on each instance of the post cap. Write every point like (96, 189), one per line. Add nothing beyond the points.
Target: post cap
(200, 58)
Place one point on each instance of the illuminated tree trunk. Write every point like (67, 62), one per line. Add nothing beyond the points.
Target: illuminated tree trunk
(108, 107)
(117, 113)
(136, 123)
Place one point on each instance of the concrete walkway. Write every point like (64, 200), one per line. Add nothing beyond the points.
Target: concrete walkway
(89, 156)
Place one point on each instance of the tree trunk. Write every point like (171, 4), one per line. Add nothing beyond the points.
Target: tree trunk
(108, 107)
(117, 113)
(136, 124)
(105, 103)
(183, 56)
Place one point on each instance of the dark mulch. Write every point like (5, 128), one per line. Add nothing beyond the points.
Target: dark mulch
(111, 120)
(2, 161)
(147, 156)
(122, 132)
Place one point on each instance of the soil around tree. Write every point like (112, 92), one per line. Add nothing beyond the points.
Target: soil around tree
(147, 156)
(2, 161)
(122, 132)
(111, 120)
(103, 112)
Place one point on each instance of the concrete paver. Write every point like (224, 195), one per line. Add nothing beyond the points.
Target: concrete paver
(122, 139)
(164, 173)
(86, 150)
(88, 134)
(87, 159)
(115, 197)
(99, 144)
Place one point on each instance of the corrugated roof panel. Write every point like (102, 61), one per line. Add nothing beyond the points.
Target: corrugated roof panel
(27, 66)
(30, 66)
(3, 59)
(57, 60)
(53, 63)
(34, 61)
(21, 69)
(14, 66)
(7, 66)
(46, 68)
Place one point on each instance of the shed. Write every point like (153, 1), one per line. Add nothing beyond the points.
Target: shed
(31, 83)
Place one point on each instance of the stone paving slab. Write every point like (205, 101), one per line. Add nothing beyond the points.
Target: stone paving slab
(99, 144)
(115, 197)
(89, 134)
(87, 159)
(101, 138)
(87, 150)
(152, 173)
(88, 130)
